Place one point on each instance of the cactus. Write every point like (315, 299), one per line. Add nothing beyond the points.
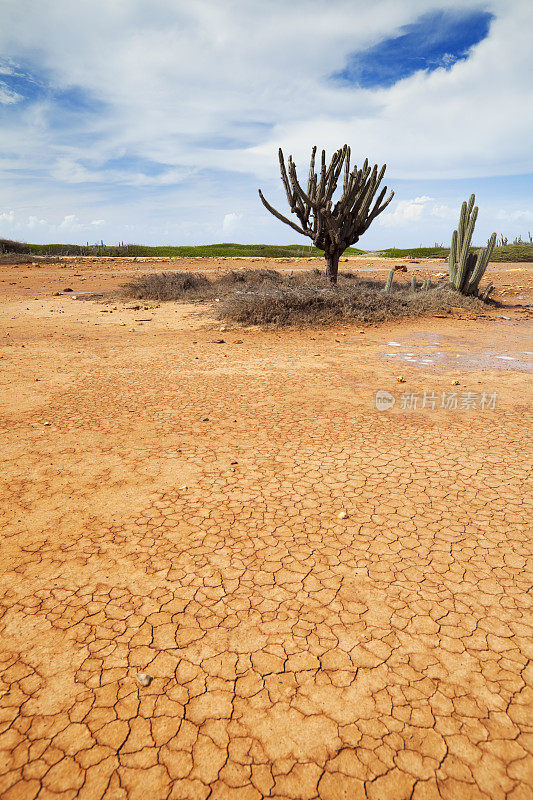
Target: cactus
(332, 226)
(413, 284)
(465, 268)
(390, 278)
(426, 285)
(488, 290)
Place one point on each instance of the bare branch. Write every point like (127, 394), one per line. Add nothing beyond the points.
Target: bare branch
(281, 217)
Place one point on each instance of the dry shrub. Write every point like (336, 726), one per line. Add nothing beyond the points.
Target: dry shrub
(250, 277)
(305, 305)
(168, 286)
(270, 298)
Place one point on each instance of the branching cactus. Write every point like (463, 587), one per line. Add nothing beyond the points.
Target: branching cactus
(332, 226)
(466, 268)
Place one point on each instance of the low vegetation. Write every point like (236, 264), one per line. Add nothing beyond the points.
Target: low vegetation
(414, 252)
(509, 252)
(269, 298)
(24, 251)
(513, 252)
(227, 250)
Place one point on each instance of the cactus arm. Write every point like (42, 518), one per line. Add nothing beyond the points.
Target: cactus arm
(281, 217)
(488, 290)
(465, 247)
(476, 274)
(461, 230)
(481, 265)
(452, 259)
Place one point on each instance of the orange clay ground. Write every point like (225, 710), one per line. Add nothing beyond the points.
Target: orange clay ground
(172, 505)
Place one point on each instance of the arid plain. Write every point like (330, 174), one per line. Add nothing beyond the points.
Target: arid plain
(333, 601)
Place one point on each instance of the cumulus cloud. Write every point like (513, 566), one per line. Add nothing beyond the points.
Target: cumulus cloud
(231, 221)
(405, 211)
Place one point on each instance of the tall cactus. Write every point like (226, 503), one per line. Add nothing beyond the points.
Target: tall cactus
(332, 226)
(465, 268)
(390, 278)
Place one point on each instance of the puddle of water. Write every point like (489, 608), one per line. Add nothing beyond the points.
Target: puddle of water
(483, 361)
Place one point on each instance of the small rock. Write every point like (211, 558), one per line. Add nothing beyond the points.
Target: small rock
(144, 679)
(218, 341)
(47, 423)
(68, 290)
(342, 514)
(222, 328)
(400, 268)
(455, 383)
(57, 294)
(400, 379)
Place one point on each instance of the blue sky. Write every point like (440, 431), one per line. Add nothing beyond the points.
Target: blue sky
(436, 40)
(157, 121)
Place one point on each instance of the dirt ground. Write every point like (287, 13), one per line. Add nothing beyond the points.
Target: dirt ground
(332, 600)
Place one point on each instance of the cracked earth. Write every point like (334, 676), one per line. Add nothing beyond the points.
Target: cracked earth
(172, 504)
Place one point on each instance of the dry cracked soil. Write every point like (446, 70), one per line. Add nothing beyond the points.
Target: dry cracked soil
(332, 601)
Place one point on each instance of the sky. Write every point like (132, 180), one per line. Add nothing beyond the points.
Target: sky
(155, 122)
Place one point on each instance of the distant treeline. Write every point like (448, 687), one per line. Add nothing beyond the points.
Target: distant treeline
(509, 252)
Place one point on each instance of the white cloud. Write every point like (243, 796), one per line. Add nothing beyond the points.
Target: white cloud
(405, 211)
(34, 222)
(519, 215)
(70, 221)
(208, 92)
(231, 221)
(8, 96)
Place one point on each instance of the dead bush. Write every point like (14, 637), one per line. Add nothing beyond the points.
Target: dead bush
(270, 298)
(168, 286)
